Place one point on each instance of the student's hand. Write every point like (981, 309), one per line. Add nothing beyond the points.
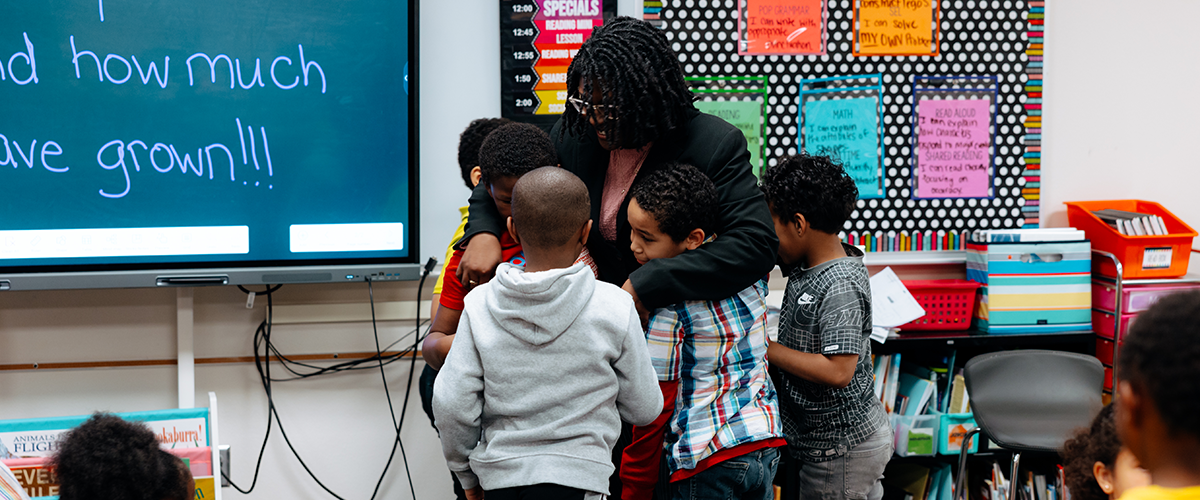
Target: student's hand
(479, 260)
(475, 493)
(641, 309)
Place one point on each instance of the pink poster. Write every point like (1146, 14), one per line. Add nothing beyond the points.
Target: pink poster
(954, 153)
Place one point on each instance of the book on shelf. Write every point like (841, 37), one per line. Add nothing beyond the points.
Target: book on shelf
(892, 384)
(1027, 235)
(960, 401)
(920, 482)
(1133, 223)
(917, 392)
(880, 362)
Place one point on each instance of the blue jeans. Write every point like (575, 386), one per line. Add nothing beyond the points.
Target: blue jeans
(747, 477)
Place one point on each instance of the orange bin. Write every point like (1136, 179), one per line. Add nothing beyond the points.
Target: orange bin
(1132, 250)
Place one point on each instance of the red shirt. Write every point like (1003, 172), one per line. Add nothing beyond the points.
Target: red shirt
(453, 291)
(640, 460)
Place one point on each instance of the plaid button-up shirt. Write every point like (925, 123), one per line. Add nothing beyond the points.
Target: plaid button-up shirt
(717, 350)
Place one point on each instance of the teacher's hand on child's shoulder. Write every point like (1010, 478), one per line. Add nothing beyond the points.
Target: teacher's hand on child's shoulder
(480, 259)
(643, 314)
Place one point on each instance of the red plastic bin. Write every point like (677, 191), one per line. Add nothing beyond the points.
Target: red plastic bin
(1130, 249)
(948, 304)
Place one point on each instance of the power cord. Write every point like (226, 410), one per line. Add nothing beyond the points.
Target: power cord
(429, 265)
(262, 337)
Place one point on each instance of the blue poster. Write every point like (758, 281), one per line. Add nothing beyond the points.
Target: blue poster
(847, 130)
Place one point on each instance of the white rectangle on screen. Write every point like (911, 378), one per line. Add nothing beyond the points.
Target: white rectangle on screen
(124, 242)
(347, 237)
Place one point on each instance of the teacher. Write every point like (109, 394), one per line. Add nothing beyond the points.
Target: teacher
(630, 112)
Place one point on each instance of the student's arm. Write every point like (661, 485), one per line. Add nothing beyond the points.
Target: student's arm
(640, 460)
(638, 396)
(445, 321)
(458, 406)
(835, 371)
(481, 239)
(436, 346)
(841, 317)
(743, 252)
(434, 305)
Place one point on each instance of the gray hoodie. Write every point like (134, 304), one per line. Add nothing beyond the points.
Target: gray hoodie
(544, 367)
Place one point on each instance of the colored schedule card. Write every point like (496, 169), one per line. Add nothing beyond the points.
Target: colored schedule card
(954, 152)
(781, 27)
(896, 27)
(847, 130)
(538, 41)
(747, 116)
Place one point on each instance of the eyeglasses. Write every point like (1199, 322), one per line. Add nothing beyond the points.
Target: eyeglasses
(583, 107)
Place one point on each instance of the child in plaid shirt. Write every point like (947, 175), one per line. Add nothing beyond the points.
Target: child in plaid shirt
(836, 427)
(720, 406)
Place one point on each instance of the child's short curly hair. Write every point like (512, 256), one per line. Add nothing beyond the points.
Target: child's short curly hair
(680, 198)
(1097, 443)
(469, 142)
(110, 457)
(816, 187)
(513, 150)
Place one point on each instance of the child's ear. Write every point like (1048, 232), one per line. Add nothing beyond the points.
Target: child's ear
(1103, 476)
(694, 239)
(476, 175)
(801, 224)
(587, 231)
(512, 229)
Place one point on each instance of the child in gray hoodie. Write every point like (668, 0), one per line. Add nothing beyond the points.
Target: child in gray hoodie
(547, 361)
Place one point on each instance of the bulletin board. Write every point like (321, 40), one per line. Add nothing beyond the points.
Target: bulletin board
(956, 130)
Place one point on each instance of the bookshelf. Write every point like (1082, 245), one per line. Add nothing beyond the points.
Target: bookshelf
(932, 348)
(1082, 342)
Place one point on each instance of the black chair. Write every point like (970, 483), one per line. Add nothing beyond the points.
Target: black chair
(1029, 401)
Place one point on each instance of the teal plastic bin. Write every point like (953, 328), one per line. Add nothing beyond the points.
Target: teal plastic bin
(952, 427)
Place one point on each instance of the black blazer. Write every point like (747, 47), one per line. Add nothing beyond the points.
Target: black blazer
(745, 248)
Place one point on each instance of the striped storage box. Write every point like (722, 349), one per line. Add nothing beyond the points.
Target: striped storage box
(1042, 287)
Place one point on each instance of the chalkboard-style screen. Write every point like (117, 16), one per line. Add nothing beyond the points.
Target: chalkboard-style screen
(205, 137)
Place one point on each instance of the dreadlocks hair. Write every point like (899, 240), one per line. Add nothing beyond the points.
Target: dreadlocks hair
(680, 198)
(816, 187)
(110, 457)
(1161, 359)
(1097, 443)
(513, 150)
(469, 141)
(638, 75)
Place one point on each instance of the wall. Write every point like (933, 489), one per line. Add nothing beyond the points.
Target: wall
(1099, 127)
(1120, 105)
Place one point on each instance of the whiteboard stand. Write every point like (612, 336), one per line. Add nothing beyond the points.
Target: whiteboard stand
(186, 357)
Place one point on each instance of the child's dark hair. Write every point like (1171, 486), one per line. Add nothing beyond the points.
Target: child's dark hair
(513, 150)
(469, 141)
(110, 457)
(1098, 443)
(816, 187)
(549, 206)
(680, 198)
(1161, 359)
(639, 76)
